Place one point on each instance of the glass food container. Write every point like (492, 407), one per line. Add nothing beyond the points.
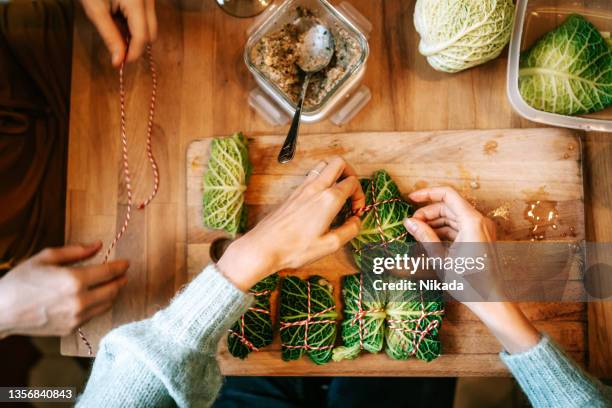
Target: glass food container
(533, 19)
(345, 99)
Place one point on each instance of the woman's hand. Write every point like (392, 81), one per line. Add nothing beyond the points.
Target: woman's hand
(46, 296)
(141, 20)
(298, 231)
(447, 216)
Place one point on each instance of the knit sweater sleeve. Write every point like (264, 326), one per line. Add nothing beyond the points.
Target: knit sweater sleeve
(550, 378)
(170, 358)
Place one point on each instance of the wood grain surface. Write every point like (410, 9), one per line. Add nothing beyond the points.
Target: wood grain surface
(524, 166)
(203, 88)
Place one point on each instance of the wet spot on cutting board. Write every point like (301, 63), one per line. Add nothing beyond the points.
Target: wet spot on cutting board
(543, 216)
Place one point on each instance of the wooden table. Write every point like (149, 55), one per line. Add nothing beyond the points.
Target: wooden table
(203, 87)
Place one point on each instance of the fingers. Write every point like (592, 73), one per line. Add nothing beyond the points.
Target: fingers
(94, 275)
(434, 211)
(335, 168)
(101, 18)
(136, 16)
(420, 230)
(442, 222)
(104, 293)
(446, 195)
(446, 233)
(68, 254)
(350, 187)
(316, 171)
(95, 311)
(338, 237)
(151, 20)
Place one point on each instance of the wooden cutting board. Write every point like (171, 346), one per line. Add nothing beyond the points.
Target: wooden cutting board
(500, 171)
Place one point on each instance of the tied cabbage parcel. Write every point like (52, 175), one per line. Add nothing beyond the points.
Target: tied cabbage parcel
(225, 183)
(254, 329)
(382, 229)
(413, 321)
(568, 71)
(363, 327)
(459, 34)
(406, 323)
(307, 319)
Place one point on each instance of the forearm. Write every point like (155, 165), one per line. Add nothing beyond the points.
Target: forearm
(550, 378)
(546, 374)
(170, 357)
(508, 324)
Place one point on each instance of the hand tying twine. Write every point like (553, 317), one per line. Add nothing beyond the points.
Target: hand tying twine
(126, 167)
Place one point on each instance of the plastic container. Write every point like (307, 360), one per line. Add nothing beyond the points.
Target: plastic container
(533, 19)
(346, 99)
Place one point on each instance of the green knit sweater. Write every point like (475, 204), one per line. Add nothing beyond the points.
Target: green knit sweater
(170, 358)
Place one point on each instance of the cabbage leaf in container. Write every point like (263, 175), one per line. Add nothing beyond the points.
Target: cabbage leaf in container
(307, 319)
(225, 183)
(569, 70)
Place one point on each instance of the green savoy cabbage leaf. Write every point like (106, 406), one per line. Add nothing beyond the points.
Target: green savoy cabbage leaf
(405, 323)
(363, 326)
(307, 319)
(382, 218)
(413, 322)
(568, 71)
(225, 182)
(254, 329)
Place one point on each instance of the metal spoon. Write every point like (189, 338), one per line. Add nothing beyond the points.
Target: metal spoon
(316, 51)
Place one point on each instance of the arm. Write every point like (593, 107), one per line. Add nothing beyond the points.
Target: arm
(171, 357)
(544, 372)
(550, 378)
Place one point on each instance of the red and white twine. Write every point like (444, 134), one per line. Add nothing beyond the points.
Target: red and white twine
(418, 335)
(361, 313)
(307, 322)
(127, 179)
(394, 324)
(242, 334)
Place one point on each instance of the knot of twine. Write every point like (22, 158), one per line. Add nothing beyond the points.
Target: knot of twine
(307, 322)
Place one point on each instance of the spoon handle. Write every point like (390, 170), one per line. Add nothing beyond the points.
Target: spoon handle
(288, 150)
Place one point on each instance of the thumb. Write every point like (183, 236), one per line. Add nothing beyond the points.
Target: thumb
(420, 230)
